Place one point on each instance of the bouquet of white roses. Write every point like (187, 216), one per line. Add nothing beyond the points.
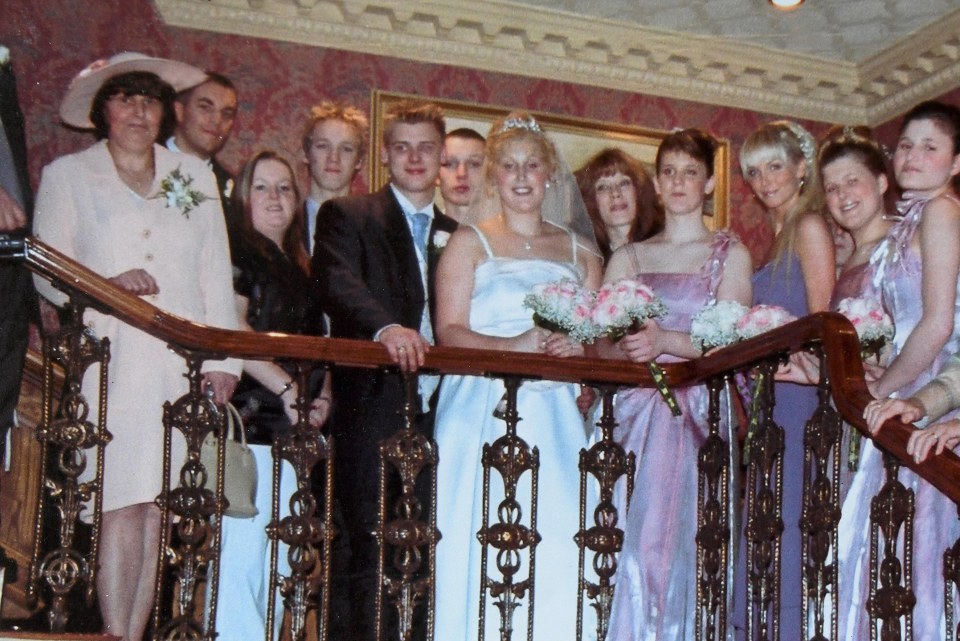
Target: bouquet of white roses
(563, 306)
(623, 305)
(873, 324)
(716, 325)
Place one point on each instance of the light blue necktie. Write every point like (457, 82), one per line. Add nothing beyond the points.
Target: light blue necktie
(421, 226)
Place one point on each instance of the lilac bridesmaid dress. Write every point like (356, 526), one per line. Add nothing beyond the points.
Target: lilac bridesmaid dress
(656, 592)
(896, 272)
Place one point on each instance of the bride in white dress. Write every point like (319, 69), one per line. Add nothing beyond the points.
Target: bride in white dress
(484, 274)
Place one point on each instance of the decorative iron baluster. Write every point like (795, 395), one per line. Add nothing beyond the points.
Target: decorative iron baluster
(764, 511)
(606, 462)
(68, 435)
(192, 503)
(891, 583)
(408, 453)
(713, 532)
(308, 532)
(511, 457)
(820, 515)
(951, 582)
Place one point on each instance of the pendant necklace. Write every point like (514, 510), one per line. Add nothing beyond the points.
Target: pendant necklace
(527, 245)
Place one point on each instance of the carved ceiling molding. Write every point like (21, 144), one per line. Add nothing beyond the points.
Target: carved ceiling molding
(527, 41)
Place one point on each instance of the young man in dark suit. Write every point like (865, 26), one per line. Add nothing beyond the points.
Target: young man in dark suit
(205, 118)
(334, 143)
(372, 265)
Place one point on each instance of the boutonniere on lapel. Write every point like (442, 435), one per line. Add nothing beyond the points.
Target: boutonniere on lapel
(4, 56)
(439, 242)
(175, 189)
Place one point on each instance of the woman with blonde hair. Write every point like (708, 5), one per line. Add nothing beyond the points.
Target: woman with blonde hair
(778, 161)
(485, 272)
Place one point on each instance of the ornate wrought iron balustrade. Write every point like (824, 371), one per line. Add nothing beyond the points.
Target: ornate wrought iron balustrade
(407, 531)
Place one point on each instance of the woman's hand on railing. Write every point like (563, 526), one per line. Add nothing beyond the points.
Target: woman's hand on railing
(878, 412)
(136, 281)
(937, 437)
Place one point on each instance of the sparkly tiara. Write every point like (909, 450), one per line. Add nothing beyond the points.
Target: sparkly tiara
(527, 123)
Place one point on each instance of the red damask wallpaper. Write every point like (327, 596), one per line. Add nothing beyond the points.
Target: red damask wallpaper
(51, 41)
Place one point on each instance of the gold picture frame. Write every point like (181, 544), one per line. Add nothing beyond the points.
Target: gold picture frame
(576, 138)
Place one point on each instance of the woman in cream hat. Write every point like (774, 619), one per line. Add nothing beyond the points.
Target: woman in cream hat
(149, 220)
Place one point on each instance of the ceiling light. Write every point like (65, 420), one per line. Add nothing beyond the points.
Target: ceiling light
(786, 5)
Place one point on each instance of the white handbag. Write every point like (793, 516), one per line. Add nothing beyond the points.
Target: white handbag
(240, 475)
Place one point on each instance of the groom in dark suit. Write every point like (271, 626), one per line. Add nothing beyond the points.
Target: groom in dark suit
(372, 265)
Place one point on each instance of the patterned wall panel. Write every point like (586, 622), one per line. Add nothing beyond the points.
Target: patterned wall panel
(278, 81)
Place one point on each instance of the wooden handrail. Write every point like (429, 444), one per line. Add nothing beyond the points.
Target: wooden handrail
(831, 330)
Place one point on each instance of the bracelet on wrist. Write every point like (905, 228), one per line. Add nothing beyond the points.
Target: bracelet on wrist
(286, 388)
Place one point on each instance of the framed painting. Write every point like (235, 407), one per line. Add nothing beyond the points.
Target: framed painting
(577, 139)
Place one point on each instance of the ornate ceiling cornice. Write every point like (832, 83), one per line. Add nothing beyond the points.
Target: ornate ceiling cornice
(528, 41)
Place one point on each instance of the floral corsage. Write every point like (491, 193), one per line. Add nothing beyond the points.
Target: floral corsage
(175, 189)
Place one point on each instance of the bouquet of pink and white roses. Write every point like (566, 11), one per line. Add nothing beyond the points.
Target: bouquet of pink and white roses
(760, 319)
(563, 306)
(624, 305)
(875, 330)
(873, 324)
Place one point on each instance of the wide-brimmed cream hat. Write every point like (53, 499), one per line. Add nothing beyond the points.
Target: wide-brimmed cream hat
(75, 108)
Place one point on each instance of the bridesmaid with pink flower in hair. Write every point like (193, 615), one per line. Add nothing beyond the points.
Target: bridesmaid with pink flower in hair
(688, 266)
